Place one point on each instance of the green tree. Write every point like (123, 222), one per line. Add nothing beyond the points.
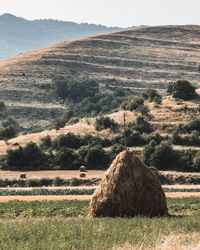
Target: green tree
(152, 95)
(104, 123)
(67, 159)
(181, 89)
(8, 133)
(26, 159)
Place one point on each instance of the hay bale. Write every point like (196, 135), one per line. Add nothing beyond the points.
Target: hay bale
(22, 176)
(82, 169)
(128, 188)
(82, 175)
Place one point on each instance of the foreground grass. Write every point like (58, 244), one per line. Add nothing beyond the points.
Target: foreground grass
(65, 225)
(87, 233)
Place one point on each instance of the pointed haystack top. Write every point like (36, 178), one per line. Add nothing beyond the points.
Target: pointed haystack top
(128, 188)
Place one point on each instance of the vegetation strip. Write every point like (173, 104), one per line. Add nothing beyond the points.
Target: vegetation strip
(56, 192)
(174, 190)
(38, 192)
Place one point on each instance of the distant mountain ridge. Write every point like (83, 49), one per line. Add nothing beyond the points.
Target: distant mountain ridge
(18, 35)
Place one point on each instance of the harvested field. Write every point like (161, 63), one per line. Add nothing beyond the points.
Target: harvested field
(45, 197)
(182, 194)
(65, 174)
(83, 197)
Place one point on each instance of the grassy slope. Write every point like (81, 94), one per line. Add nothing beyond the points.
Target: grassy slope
(139, 58)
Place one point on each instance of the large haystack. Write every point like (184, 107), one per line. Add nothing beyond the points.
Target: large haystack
(128, 188)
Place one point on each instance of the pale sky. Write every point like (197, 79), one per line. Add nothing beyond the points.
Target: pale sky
(107, 12)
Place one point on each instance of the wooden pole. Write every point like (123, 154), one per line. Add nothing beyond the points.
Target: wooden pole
(125, 139)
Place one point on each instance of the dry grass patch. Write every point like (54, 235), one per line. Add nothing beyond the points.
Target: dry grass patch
(173, 241)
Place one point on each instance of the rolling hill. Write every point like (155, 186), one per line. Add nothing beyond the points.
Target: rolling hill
(135, 59)
(19, 35)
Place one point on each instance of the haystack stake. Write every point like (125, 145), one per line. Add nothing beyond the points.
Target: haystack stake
(125, 139)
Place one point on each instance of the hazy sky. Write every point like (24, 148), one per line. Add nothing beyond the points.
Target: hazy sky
(108, 12)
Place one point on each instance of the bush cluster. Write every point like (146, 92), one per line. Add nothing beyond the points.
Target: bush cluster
(136, 104)
(8, 133)
(104, 122)
(152, 95)
(192, 139)
(181, 89)
(57, 181)
(164, 157)
(84, 97)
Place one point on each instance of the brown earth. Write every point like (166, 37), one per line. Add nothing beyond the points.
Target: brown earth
(135, 59)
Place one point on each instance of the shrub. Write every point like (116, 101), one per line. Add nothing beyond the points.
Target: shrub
(141, 125)
(181, 89)
(161, 156)
(185, 160)
(152, 95)
(104, 123)
(191, 140)
(74, 182)
(96, 158)
(69, 140)
(25, 159)
(58, 181)
(196, 162)
(68, 88)
(7, 133)
(164, 157)
(134, 138)
(192, 125)
(132, 103)
(9, 122)
(33, 183)
(2, 106)
(63, 119)
(46, 142)
(116, 149)
(67, 159)
(136, 104)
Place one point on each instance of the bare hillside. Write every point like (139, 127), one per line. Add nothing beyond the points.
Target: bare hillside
(137, 59)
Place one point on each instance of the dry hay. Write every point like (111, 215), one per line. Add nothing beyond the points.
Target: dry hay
(128, 188)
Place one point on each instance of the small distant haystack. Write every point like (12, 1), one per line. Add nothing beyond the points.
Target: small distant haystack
(82, 169)
(22, 176)
(82, 175)
(128, 188)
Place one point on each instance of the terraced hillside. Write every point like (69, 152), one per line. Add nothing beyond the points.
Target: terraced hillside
(136, 59)
(164, 117)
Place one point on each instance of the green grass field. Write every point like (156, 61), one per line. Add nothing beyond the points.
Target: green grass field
(65, 225)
